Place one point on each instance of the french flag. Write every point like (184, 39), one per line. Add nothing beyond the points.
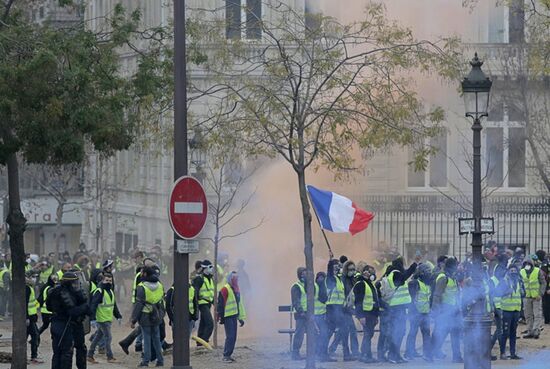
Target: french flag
(338, 213)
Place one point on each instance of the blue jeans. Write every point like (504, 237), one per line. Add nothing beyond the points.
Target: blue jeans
(230, 326)
(103, 333)
(509, 328)
(151, 337)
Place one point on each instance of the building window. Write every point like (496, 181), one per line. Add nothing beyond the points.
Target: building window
(436, 173)
(505, 147)
(252, 19)
(516, 23)
(497, 23)
(233, 19)
(41, 12)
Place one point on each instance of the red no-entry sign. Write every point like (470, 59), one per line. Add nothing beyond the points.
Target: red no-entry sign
(187, 208)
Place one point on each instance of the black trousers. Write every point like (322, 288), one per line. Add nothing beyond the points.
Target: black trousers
(3, 301)
(371, 319)
(230, 326)
(321, 340)
(448, 322)
(498, 330)
(298, 339)
(206, 324)
(546, 307)
(384, 337)
(79, 342)
(398, 326)
(336, 325)
(46, 318)
(32, 330)
(509, 330)
(67, 336)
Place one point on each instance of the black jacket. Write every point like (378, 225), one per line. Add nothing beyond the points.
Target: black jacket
(359, 291)
(197, 283)
(170, 306)
(97, 298)
(67, 304)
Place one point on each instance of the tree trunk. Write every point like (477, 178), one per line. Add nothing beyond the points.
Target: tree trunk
(216, 245)
(16, 223)
(541, 167)
(310, 275)
(58, 224)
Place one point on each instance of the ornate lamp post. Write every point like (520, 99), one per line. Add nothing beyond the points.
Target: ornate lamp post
(477, 324)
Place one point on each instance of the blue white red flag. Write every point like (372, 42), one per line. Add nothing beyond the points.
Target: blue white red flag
(337, 213)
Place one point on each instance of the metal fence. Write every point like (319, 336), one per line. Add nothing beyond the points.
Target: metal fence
(429, 223)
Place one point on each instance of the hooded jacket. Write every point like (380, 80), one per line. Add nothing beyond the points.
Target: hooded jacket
(138, 315)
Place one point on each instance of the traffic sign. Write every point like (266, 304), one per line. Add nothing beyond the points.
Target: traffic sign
(187, 207)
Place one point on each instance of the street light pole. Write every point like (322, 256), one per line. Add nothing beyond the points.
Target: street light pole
(477, 324)
(181, 260)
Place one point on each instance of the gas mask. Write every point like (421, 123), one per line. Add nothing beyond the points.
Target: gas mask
(351, 272)
(372, 277)
(528, 267)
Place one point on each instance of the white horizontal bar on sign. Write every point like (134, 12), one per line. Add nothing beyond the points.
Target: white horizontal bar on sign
(188, 208)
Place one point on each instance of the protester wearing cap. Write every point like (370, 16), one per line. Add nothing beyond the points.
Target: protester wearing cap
(204, 287)
(535, 287)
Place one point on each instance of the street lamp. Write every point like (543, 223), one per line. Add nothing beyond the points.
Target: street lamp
(197, 153)
(477, 324)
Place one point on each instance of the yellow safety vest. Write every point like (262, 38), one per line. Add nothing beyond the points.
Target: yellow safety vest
(531, 283)
(368, 300)
(512, 301)
(32, 306)
(336, 295)
(191, 297)
(44, 308)
(231, 307)
(105, 310)
(401, 295)
(496, 300)
(59, 274)
(422, 302)
(450, 295)
(44, 275)
(134, 286)
(206, 292)
(152, 297)
(320, 307)
(2, 272)
(303, 296)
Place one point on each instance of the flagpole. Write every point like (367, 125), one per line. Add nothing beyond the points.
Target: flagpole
(331, 254)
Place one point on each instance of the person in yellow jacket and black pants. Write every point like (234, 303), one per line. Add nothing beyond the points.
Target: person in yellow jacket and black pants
(44, 312)
(367, 309)
(32, 318)
(230, 311)
(204, 288)
(511, 292)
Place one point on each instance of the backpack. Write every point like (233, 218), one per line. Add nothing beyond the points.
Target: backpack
(386, 290)
(156, 316)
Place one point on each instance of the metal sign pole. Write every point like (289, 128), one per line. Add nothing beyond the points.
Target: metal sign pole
(181, 260)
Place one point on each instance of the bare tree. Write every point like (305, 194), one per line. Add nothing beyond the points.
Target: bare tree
(311, 91)
(225, 183)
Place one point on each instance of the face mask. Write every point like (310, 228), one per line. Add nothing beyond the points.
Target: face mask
(107, 286)
(302, 279)
(528, 267)
(75, 286)
(351, 273)
(208, 269)
(372, 277)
